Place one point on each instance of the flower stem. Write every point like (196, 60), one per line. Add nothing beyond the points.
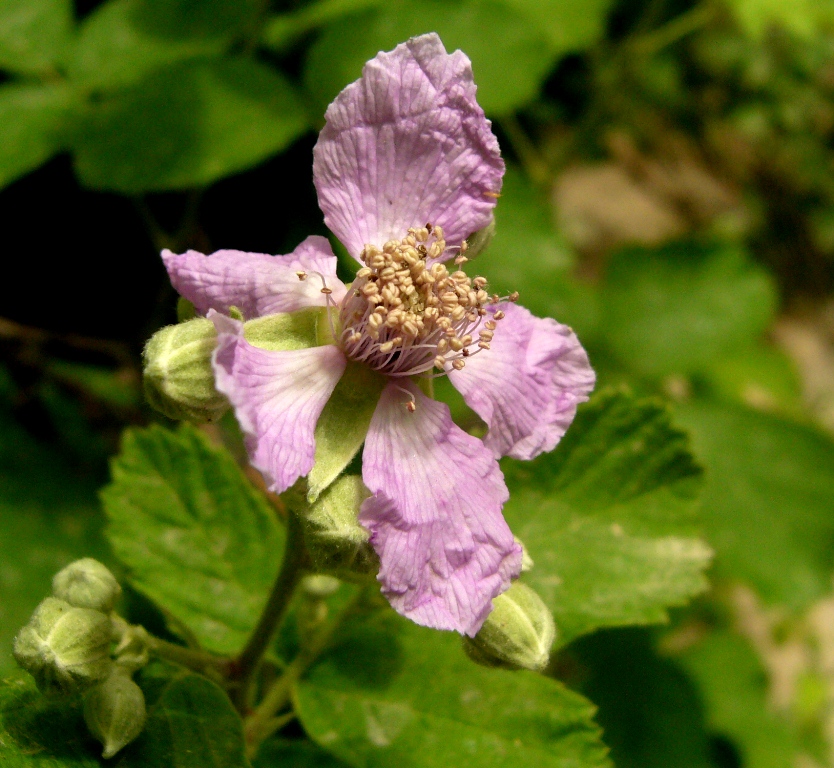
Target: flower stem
(262, 723)
(198, 661)
(292, 569)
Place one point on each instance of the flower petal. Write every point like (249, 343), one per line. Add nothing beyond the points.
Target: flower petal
(435, 514)
(407, 144)
(277, 398)
(255, 283)
(527, 385)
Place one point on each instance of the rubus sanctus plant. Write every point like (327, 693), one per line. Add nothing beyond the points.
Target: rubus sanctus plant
(321, 375)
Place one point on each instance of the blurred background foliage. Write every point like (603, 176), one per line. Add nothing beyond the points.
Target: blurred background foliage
(670, 194)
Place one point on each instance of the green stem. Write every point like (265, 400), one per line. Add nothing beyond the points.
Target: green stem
(292, 569)
(679, 27)
(533, 163)
(198, 661)
(262, 723)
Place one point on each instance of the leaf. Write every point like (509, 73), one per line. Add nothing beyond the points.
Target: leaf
(767, 501)
(34, 119)
(733, 686)
(191, 724)
(392, 693)
(678, 308)
(196, 536)
(41, 732)
(608, 518)
(570, 25)
(510, 55)
(295, 753)
(805, 18)
(33, 34)
(649, 709)
(188, 125)
(48, 518)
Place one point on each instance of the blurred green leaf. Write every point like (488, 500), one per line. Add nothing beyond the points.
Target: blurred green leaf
(295, 753)
(33, 34)
(570, 25)
(650, 711)
(768, 499)
(41, 732)
(197, 537)
(733, 686)
(187, 126)
(510, 55)
(392, 693)
(608, 517)
(677, 309)
(35, 121)
(803, 17)
(48, 518)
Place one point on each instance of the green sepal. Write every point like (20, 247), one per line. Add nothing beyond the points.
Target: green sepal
(343, 424)
(286, 331)
(336, 542)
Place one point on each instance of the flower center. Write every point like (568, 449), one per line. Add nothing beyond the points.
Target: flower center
(403, 316)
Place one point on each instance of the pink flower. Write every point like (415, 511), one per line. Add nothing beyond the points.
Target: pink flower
(406, 168)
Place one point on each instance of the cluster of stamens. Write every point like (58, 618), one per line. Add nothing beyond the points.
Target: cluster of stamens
(406, 313)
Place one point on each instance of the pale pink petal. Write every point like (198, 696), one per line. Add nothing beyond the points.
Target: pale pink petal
(527, 385)
(255, 283)
(277, 398)
(407, 144)
(435, 514)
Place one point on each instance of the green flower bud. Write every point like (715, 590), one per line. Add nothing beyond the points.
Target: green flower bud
(178, 377)
(526, 561)
(87, 583)
(320, 585)
(115, 712)
(518, 634)
(337, 543)
(65, 648)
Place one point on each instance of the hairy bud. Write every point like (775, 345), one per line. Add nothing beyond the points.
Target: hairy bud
(87, 583)
(518, 634)
(115, 712)
(178, 376)
(336, 541)
(64, 648)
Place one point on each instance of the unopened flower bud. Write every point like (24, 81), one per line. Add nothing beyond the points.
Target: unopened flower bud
(480, 240)
(337, 543)
(178, 376)
(518, 634)
(320, 585)
(65, 648)
(87, 583)
(115, 712)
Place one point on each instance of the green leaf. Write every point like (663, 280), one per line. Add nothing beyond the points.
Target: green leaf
(188, 125)
(197, 537)
(41, 732)
(191, 724)
(767, 501)
(608, 518)
(392, 693)
(34, 119)
(33, 34)
(295, 753)
(650, 711)
(343, 424)
(678, 308)
(510, 55)
(48, 518)
(733, 686)
(805, 18)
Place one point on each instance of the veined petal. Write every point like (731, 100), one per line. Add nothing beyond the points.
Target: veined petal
(527, 385)
(255, 283)
(407, 144)
(435, 514)
(277, 398)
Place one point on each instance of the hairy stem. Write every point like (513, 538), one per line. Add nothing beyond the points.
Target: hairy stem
(262, 723)
(292, 569)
